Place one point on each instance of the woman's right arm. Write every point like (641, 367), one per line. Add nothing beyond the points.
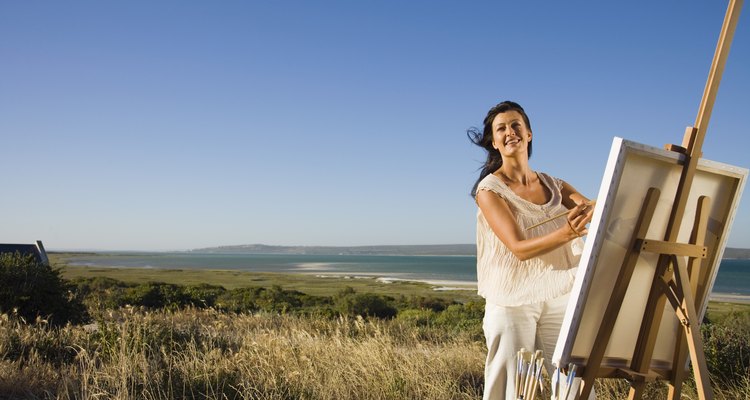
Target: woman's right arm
(501, 221)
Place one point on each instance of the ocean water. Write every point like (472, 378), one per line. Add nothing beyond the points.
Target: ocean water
(431, 268)
(733, 277)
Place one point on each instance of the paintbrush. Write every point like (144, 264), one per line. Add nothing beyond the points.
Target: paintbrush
(569, 382)
(533, 375)
(519, 368)
(557, 387)
(525, 372)
(537, 377)
(554, 217)
(529, 376)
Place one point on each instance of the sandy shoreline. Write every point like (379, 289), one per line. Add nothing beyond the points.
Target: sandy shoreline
(447, 285)
(436, 284)
(729, 298)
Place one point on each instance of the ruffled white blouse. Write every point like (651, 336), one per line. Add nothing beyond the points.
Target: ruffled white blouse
(505, 280)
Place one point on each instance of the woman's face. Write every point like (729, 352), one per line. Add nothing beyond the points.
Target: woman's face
(510, 136)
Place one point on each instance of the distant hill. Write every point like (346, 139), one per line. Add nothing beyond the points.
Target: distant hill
(409, 250)
(392, 250)
(733, 252)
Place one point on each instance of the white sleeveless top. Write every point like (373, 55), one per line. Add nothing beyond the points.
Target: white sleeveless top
(505, 280)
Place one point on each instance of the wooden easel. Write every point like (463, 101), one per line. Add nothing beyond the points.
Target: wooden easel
(678, 278)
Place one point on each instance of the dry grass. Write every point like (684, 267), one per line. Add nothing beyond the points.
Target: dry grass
(134, 354)
(206, 354)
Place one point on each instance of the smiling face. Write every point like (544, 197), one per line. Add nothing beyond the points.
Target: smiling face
(510, 135)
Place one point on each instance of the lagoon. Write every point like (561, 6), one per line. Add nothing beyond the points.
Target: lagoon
(733, 277)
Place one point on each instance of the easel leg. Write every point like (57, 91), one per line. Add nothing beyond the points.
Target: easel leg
(679, 360)
(636, 390)
(693, 334)
(679, 374)
(696, 276)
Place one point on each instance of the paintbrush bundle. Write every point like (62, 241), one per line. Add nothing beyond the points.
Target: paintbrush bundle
(528, 373)
(561, 391)
(529, 367)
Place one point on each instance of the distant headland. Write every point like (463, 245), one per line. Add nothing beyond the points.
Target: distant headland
(736, 253)
(386, 250)
(390, 250)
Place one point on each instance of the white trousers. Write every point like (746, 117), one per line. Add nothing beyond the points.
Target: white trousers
(507, 330)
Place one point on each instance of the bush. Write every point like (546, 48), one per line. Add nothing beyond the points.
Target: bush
(32, 289)
(463, 317)
(417, 317)
(203, 295)
(727, 349)
(275, 300)
(365, 304)
(101, 293)
(106, 293)
(156, 295)
(239, 300)
(279, 300)
(425, 302)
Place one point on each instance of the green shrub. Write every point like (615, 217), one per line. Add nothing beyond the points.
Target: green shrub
(279, 300)
(239, 300)
(101, 293)
(203, 295)
(727, 348)
(365, 305)
(274, 300)
(32, 289)
(156, 295)
(424, 302)
(463, 317)
(417, 317)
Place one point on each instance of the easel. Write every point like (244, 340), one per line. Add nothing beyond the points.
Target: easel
(678, 277)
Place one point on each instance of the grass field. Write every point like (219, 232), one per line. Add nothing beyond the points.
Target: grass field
(307, 283)
(141, 353)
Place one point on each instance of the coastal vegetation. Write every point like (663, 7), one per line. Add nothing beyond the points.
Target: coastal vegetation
(166, 340)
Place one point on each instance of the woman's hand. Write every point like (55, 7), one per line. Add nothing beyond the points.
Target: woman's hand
(578, 217)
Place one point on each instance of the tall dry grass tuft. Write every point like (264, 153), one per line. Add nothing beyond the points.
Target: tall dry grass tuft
(193, 353)
(206, 354)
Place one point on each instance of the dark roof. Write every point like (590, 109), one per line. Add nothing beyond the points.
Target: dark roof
(36, 249)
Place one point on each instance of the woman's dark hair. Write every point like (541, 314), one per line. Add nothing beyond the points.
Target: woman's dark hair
(483, 139)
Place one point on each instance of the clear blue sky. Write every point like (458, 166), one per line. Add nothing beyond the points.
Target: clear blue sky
(169, 125)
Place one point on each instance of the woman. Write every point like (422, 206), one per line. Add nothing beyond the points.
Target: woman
(525, 273)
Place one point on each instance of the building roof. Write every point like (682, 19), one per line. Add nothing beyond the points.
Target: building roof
(36, 249)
